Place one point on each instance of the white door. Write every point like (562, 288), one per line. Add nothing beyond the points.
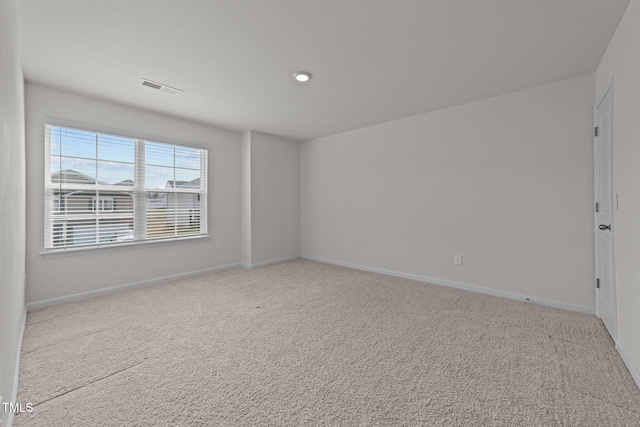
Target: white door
(605, 257)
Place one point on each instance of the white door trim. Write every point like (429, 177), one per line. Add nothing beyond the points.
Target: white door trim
(607, 89)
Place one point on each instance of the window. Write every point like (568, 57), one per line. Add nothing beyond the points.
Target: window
(103, 189)
(103, 204)
(59, 204)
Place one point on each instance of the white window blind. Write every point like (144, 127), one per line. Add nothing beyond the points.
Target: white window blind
(103, 189)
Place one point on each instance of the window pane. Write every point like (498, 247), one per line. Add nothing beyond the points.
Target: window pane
(86, 218)
(74, 171)
(55, 140)
(187, 178)
(115, 173)
(116, 148)
(59, 234)
(158, 177)
(187, 213)
(80, 232)
(172, 214)
(156, 200)
(78, 143)
(56, 166)
(188, 158)
(117, 204)
(159, 154)
(75, 203)
(115, 230)
(158, 216)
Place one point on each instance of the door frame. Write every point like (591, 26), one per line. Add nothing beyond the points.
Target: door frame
(607, 89)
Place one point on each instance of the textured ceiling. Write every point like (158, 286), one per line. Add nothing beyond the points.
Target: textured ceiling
(372, 60)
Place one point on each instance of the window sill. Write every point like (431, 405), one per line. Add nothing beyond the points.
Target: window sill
(83, 250)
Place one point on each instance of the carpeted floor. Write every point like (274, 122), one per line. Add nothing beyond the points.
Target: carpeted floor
(304, 343)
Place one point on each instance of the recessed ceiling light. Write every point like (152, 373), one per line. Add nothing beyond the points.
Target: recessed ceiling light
(302, 76)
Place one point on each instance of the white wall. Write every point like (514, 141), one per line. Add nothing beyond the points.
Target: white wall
(12, 201)
(506, 182)
(275, 198)
(622, 61)
(54, 277)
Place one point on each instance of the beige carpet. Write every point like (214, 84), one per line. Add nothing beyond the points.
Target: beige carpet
(303, 343)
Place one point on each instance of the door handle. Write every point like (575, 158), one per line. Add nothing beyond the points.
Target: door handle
(605, 227)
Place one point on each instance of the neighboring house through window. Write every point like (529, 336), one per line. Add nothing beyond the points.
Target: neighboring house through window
(104, 189)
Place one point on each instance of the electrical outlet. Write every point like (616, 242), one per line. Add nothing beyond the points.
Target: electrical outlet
(319, 242)
(219, 248)
(457, 259)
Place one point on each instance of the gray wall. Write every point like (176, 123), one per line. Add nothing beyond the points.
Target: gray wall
(12, 202)
(622, 62)
(54, 277)
(507, 182)
(275, 198)
(270, 198)
(245, 199)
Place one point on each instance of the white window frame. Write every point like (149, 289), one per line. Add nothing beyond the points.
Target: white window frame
(138, 191)
(103, 203)
(59, 204)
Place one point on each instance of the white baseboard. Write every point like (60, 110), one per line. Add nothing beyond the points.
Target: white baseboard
(458, 285)
(104, 291)
(271, 262)
(635, 373)
(14, 392)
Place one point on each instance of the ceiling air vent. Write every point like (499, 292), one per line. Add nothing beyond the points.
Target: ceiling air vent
(161, 87)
